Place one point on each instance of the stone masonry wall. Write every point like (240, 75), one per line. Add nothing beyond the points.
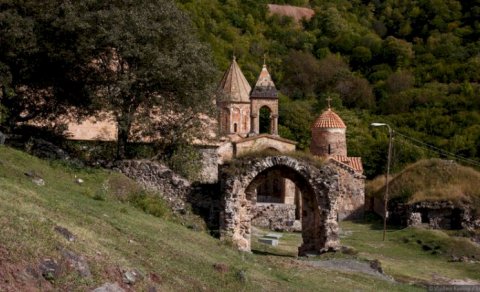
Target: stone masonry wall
(436, 215)
(277, 217)
(352, 195)
(263, 143)
(210, 160)
(322, 138)
(157, 177)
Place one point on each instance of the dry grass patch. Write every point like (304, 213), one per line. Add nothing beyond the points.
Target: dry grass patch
(432, 180)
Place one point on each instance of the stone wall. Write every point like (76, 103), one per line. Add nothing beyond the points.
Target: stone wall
(263, 142)
(277, 217)
(435, 214)
(352, 194)
(210, 160)
(157, 177)
(179, 193)
(328, 141)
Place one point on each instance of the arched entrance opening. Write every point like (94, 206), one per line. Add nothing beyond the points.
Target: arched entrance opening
(265, 120)
(319, 188)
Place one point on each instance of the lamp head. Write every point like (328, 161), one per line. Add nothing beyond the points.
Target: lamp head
(377, 124)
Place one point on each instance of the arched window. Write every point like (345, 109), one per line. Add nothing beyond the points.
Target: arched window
(265, 120)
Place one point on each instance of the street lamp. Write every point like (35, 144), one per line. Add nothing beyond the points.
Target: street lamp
(385, 198)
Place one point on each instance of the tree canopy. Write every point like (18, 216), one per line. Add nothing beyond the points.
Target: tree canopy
(121, 57)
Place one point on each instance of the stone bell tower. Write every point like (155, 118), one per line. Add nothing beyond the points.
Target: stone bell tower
(233, 102)
(264, 94)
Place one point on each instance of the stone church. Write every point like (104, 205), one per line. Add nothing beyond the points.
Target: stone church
(278, 205)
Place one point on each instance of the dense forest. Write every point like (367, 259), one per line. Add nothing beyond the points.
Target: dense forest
(412, 64)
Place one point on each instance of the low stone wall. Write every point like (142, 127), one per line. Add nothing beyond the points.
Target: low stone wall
(275, 216)
(176, 190)
(436, 215)
(157, 177)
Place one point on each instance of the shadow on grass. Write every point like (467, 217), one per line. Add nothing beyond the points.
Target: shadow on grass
(376, 222)
(271, 253)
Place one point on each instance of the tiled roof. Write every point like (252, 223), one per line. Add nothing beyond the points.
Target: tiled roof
(328, 119)
(355, 163)
(234, 86)
(264, 88)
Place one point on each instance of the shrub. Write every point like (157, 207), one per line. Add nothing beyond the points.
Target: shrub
(186, 161)
(150, 203)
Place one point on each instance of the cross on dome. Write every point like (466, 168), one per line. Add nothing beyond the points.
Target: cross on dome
(329, 99)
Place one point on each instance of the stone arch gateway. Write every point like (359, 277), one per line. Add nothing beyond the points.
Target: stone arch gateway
(319, 187)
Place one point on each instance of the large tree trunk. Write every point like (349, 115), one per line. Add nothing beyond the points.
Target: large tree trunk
(124, 124)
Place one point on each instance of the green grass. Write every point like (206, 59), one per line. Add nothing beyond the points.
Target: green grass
(410, 255)
(114, 235)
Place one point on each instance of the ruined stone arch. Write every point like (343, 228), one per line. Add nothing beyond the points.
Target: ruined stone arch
(319, 187)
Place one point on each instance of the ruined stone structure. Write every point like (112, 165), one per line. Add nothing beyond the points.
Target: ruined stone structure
(434, 214)
(319, 189)
(329, 141)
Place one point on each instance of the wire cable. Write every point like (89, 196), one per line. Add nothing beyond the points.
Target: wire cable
(437, 150)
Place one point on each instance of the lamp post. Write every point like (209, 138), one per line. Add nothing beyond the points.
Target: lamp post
(389, 157)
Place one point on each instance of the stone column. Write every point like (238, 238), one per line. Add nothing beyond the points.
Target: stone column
(274, 125)
(254, 125)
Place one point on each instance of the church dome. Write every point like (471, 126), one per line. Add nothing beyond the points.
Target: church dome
(329, 119)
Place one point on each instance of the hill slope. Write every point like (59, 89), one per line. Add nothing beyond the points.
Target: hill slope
(112, 238)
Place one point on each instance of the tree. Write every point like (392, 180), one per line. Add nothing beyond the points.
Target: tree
(35, 72)
(356, 92)
(145, 55)
(120, 57)
(301, 70)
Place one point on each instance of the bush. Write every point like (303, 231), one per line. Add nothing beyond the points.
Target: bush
(186, 161)
(150, 203)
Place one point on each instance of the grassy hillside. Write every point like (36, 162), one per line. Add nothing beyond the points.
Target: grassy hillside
(432, 180)
(115, 237)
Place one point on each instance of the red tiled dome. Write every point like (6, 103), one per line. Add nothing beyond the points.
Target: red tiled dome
(328, 119)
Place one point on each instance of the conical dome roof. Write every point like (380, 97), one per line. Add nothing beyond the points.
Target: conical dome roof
(264, 88)
(329, 119)
(234, 86)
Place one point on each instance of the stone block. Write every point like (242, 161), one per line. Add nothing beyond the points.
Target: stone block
(269, 241)
(273, 235)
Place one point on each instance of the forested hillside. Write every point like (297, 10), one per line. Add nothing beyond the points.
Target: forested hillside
(413, 64)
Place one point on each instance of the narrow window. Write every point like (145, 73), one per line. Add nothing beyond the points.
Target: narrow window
(235, 127)
(329, 149)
